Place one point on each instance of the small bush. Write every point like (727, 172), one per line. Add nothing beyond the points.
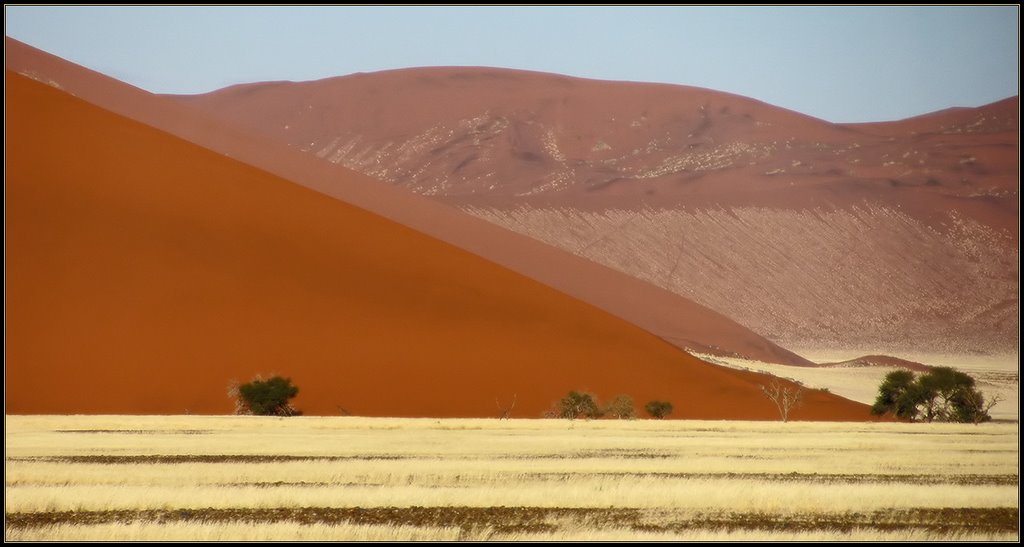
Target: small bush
(658, 409)
(578, 405)
(621, 407)
(266, 398)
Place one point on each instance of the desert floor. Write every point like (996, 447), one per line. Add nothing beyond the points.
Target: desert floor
(347, 478)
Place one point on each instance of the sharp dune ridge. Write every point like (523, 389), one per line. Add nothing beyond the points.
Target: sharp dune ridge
(897, 236)
(879, 361)
(1000, 116)
(145, 272)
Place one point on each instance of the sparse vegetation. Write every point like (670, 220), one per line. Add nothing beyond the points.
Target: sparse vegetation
(943, 394)
(265, 398)
(579, 404)
(505, 412)
(785, 398)
(658, 409)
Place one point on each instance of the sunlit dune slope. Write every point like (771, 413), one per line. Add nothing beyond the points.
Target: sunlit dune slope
(670, 316)
(144, 273)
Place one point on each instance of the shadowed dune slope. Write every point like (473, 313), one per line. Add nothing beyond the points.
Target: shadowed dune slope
(888, 237)
(144, 272)
(672, 317)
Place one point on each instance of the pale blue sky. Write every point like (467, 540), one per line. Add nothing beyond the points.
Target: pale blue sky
(841, 64)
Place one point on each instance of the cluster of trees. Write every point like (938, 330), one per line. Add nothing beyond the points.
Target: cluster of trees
(584, 405)
(943, 394)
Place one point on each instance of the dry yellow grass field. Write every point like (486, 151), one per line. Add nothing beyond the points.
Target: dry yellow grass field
(253, 478)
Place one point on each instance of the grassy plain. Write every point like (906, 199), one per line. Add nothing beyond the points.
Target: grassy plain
(343, 478)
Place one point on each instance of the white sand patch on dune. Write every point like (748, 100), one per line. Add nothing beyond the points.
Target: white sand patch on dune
(996, 374)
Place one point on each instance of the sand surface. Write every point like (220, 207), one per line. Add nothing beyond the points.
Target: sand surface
(670, 316)
(898, 236)
(145, 272)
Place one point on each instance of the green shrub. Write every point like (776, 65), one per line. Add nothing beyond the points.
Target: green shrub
(577, 405)
(621, 407)
(267, 398)
(658, 409)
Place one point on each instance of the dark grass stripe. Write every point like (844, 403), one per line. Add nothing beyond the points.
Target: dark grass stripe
(541, 519)
(192, 458)
(963, 480)
(140, 431)
(866, 478)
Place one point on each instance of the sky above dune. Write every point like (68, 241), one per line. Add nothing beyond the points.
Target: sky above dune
(842, 64)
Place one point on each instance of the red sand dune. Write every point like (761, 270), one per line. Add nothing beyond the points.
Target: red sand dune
(897, 236)
(998, 117)
(144, 272)
(674, 318)
(879, 361)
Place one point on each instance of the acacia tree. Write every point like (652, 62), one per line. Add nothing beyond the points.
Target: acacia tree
(265, 397)
(785, 398)
(894, 395)
(942, 394)
(658, 409)
(621, 407)
(976, 400)
(577, 405)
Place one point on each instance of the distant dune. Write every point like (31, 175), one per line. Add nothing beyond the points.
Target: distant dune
(145, 272)
(885, 361)
(898, 236)
(998, 117)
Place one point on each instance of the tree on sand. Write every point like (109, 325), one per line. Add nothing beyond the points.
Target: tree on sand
(265, 397)
(942, 394)
(621, 407)
(577, 405)
(785, 398)
(658, 409)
